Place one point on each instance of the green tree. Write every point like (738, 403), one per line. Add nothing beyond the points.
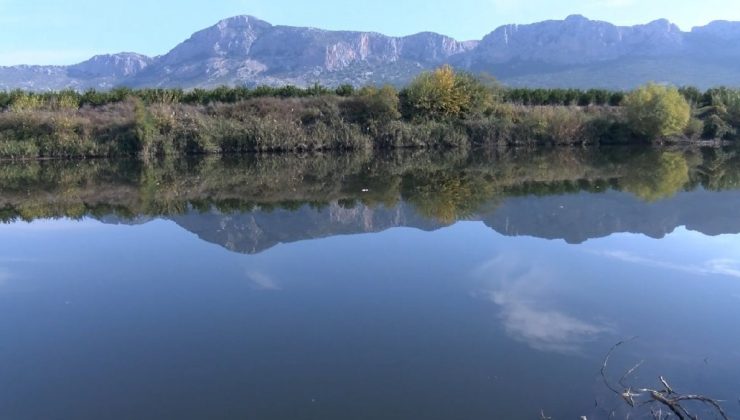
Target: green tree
(656, 111)
(345, 90)
(720, 111)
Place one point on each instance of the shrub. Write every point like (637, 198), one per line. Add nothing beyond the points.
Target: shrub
(691, 94)
(695, 129)
(372, 106)
(656, 111)
(444, 94)
(345, 90)
(65, 100)
(25, 101)
(720, 109)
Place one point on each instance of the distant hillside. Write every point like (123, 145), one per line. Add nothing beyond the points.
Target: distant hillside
(575, 52)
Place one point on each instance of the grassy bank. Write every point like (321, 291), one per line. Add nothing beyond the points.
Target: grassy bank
(439, 110)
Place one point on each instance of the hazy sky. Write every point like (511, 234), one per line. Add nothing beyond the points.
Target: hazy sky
(63, 32)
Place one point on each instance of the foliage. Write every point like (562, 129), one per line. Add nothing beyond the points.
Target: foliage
(564, 97)
(656, 111)
(345, 90)
(21, 102)
(440, 109)
(444, 94)
(372, 106)
(720, 109)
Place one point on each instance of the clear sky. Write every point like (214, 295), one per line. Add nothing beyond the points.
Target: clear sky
(68, 31)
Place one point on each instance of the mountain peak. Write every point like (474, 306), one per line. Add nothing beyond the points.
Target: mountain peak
(722, 29)
(577, 18)
(663, 24)
(233, 36)
(242, 21)
(124, 64)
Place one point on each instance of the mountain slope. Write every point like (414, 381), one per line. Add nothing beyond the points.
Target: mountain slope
(249, 51)
(101, 72)
(575, 52)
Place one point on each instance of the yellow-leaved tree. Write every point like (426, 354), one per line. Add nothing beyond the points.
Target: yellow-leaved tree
(444, 94)
(657, 111)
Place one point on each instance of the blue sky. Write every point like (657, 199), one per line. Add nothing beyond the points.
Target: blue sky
(63, 32)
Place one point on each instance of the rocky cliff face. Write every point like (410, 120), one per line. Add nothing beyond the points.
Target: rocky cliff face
(547, 48)
(247, 50)
(575, 40)
(120, 65)
(232, 37)
(575, 52)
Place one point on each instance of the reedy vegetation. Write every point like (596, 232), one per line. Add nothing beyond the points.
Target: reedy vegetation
(440, 109)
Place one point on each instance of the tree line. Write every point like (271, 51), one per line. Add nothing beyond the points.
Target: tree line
(22, 99)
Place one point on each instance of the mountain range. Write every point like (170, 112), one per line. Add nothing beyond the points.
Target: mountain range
(574, 52)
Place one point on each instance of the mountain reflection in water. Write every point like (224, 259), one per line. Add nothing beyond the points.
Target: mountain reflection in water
(457, 306)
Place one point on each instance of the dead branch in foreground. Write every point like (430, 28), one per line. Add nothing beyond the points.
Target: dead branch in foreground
(665, 397)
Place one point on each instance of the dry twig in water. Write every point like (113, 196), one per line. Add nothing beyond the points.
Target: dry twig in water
(666, 397)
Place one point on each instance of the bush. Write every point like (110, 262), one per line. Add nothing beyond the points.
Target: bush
(656, 111)
(720, 109)
(695, 129)
(444, 94)
(25, 101)
(345, 90)
(372, 107)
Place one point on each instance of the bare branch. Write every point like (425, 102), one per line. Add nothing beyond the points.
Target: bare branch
(668, 388)
(673, 406)
(667, 397)
(629, 372)
(606, 362)
(714, 403)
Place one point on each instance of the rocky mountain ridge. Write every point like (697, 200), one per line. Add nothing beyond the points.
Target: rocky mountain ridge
(574, 52)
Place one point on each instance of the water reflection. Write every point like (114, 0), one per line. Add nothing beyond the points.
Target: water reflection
(262, 281)
(524, 291)
(718, 266)
(115, 303)
(4, 276)
(251, 204)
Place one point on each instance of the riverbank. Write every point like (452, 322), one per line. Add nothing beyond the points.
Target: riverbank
(132, 128)
(441, 110)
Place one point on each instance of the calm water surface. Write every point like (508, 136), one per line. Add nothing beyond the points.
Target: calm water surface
(412, 286)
